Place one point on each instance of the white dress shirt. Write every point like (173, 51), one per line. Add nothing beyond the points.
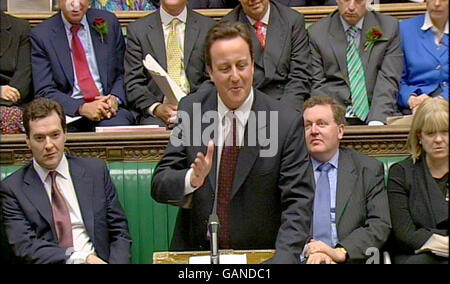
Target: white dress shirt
(166, 19)
(82, 245)
(242, 114)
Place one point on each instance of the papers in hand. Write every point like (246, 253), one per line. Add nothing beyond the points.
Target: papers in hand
(436, 244)
(167, 85)
(223, 259)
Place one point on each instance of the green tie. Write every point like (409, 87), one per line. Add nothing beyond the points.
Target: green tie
(357, 77)
(175, 66)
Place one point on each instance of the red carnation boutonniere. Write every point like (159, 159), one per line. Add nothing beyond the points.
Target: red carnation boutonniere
(101, 27)
(374, 35)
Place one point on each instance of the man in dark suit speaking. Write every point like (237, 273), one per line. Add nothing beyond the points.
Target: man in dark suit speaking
(77, 59)
(351, 212)
(60, 209)
(264, 186)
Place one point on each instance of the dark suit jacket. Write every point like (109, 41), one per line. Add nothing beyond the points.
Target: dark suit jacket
(271, 196)
(52, 64)
(15, 58)
(362, 209)
(282, 70)
(145, 36)
(29, 222)
(418, 207)
(383, 64)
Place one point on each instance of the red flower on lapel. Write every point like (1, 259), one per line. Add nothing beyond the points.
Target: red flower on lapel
(373, 35)
(101, 27)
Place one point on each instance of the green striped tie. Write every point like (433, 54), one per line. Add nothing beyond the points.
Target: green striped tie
(357, 77)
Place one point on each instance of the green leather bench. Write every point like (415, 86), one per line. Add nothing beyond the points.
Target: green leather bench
(151, 224)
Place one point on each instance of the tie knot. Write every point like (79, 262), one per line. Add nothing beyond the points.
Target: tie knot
(75, 28)
(352, 32)
(174, 23)
(259, 25)
(325, 167)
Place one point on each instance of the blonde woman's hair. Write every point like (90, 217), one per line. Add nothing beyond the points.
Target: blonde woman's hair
(431, 116)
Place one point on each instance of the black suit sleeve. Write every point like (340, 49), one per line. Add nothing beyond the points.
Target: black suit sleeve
(405, 231)
(25, 244)
(296, 187)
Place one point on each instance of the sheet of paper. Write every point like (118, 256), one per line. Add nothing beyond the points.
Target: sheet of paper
(167, 85)
(223, 259)
(70, 119)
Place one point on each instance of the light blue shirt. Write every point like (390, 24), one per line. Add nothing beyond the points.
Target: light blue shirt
(332, 177)
(85, 38)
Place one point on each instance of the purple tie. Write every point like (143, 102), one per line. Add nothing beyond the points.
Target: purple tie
(61, 215)
(227, 168)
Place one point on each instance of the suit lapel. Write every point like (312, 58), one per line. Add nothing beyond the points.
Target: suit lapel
(191, 34)
(338, 43)
(248, 154)
(368, 23)
(346, 182)
(5, 34)
(62, 49)
(84, 190)
(156, 39)
(36, 194)
(444, 48)
(258, 54)
(275, 41)
(428, 43)
(99, 49)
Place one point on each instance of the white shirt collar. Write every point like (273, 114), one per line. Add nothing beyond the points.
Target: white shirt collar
(346, 26)
(166, 18)
(265, 18)
(428, 24)
(68, 25)
(242, 113)
(62, 169)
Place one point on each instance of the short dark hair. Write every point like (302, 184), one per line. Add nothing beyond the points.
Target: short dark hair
(337, 109)
(226, 30)
(40, 108)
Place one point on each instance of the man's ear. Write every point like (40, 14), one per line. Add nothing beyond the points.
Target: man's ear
(341, 131)
(209, 71)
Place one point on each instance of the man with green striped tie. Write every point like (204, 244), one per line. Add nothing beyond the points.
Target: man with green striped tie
(359, 62)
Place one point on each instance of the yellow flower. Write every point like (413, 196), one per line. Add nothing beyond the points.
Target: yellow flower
(103, 2)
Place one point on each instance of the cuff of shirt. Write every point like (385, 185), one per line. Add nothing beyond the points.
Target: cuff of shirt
(152, 108)
(188, 189)
(375, 123)
(78, 257)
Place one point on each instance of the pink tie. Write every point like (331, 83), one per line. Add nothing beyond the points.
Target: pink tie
(84, 76)
(259, 26)
(61, 215)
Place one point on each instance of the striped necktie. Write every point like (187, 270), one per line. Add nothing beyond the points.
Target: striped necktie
(175, 66)
(357, 77)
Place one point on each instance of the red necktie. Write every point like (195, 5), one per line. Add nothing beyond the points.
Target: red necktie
(61, 215)
(227, 168)
(259, 26)
(85, 80)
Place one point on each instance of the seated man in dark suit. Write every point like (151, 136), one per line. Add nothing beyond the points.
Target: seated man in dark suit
(61, 209)
(357, 59)
(351, 210)
(282, 55)
(264, 187)
(174, 36)
(77, 59)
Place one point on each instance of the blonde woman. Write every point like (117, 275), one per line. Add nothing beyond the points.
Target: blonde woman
(418, 189)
